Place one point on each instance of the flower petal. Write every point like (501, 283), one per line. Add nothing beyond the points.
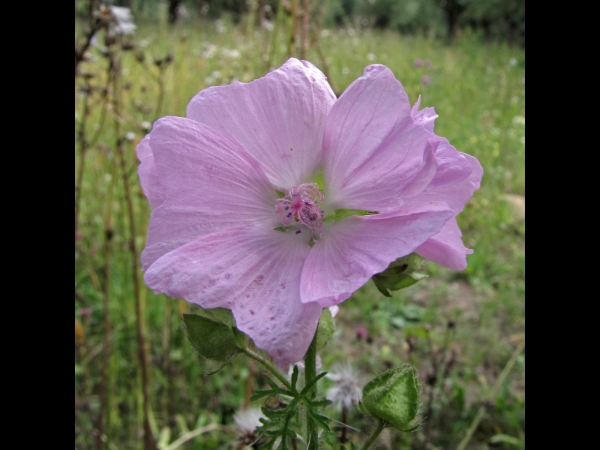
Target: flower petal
(354, 249)
(453, 166)
(279, 119)
(372, 147)
(150, 182)
(426, 117)
(454, 194)
(207, 183)
(446, 247)
(254, 273)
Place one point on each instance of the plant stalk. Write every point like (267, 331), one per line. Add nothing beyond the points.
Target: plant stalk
(374, 435)
(310, 372)
(269, 366)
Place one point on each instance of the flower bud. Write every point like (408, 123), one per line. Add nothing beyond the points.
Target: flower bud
(393, 396)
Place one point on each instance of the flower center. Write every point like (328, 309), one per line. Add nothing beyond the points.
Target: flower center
(300, 205)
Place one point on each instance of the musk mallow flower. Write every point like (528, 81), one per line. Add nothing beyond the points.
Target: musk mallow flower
(245, 189)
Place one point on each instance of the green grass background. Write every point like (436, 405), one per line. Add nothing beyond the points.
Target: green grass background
(465, 323)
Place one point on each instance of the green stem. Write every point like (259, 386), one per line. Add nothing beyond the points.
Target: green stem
(374, 435)
(269, 366)
(310, 372)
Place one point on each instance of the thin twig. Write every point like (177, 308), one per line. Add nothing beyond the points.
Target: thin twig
(103, 414)
(148, 438)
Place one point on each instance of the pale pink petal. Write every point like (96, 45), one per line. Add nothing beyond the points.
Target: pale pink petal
(256, 274)
(426, 117)
(453, 166)
(446, 247)
(372, 147)
(279, 119)
(354, 249)
(151, 184)
(457, 194)
(209, 183)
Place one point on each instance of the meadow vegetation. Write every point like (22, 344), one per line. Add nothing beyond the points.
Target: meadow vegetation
(460, 329)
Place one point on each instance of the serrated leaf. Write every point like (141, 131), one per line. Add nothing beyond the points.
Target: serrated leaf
(311, 383)
(274, 413)
(319, 403)
(324, 329)
(319, 418)
(260, 394)
(211, 339)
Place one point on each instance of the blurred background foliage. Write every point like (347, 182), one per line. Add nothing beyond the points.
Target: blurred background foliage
(490, 19)
(136, 374)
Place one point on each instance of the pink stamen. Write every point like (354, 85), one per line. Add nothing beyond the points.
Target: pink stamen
(300, 205)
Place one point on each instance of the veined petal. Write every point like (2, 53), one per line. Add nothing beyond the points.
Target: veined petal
(426, 117)
(150, 182)
(453, 166)
(207, 183)
(372, 147)
(456, 194)
(279, 119)
(354, 249)
(446, 247)
(256, 274)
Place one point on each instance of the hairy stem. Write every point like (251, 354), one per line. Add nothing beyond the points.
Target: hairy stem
(374, 435)
(310, 371)
(269, 366)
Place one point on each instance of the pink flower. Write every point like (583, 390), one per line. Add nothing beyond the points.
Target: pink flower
(425, 79)
(418, 63)
(220, 180)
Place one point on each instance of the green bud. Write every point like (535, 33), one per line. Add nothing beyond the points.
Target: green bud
(393, 396)
(400, 274)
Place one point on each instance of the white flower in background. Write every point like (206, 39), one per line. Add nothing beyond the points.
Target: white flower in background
(347, 390)
(267, 25)
(248, 419)
(124, 20)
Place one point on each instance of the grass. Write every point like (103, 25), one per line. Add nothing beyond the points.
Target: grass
(458, 329)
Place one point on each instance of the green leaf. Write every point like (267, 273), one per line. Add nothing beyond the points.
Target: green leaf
(400, 274)
(294, 377)
(279, 193)
(393, 396)
(220, 315)
(339, 214)
(324, 329)
(240, 338)
(211, 339)
(311, 383)
(319, 403)
(261, 393)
